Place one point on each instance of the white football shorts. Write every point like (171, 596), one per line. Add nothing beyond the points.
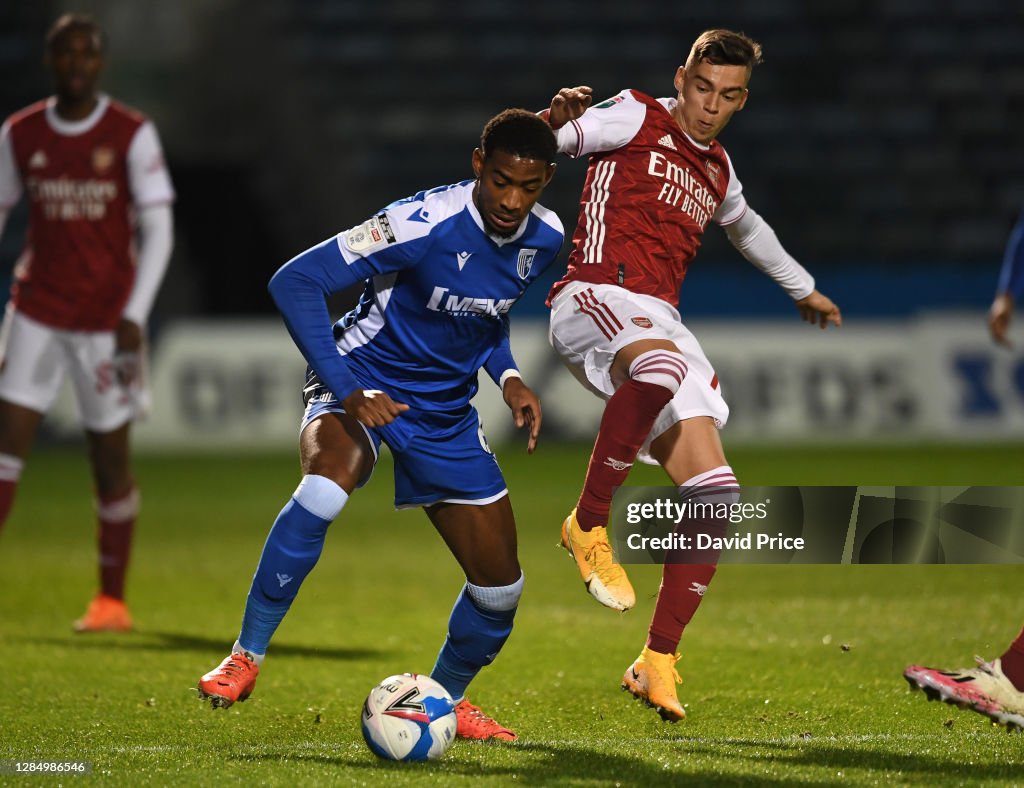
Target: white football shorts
(590, 323)
(36, 358)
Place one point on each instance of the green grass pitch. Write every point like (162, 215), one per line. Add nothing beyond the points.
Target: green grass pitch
(791, 674)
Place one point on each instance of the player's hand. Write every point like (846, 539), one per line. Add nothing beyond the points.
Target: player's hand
(999, 316)
(818, 308)
(568, 104)
(373, 408)
(128, 368)
(525, 406)
(127, 337)
(128, 352)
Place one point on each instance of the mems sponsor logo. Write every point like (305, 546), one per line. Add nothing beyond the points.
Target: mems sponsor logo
(68, 199)
(443, 300)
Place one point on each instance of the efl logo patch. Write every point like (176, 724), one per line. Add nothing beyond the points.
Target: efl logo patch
(525, 262)
(370, 235)
(103, 159)
(642, 322)
(609, 102)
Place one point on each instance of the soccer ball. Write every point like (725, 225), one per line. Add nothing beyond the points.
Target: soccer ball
(409, 718)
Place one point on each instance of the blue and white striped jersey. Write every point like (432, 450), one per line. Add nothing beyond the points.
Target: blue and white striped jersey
(434, 310)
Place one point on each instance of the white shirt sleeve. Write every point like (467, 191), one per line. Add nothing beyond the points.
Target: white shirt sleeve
(10, 178)
(605, 126)
(735, 204)
(156, 238)
(756, 241)
(147, 174)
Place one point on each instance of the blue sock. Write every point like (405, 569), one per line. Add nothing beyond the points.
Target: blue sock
(475, 636)
(290, 553)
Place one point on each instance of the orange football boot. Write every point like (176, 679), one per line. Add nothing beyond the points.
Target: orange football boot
(652, 678)
(105, 614)
(233, 680)
(474, 724)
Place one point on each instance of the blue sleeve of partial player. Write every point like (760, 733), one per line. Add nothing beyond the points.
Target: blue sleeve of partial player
(1011, 276)
(300, 289)
(500, 360)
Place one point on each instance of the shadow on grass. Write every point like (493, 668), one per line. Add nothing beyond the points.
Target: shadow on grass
(539, 763)
(181, 641)
(825, 753)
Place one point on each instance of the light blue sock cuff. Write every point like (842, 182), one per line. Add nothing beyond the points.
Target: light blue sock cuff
(496, 597)
(319, 496)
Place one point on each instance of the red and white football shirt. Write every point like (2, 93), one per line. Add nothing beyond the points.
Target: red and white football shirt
(650, 192)
(84, 179)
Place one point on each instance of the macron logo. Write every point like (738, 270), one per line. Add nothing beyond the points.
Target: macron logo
(463, 258)
(666, 142)
(284, 580)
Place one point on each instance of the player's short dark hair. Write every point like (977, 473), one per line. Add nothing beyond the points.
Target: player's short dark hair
(521, 133)
(74, 23)
(724, 48)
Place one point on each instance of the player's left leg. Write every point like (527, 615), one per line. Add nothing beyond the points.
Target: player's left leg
(117, 506)
(107, 410)
(483, 541)
(691, 454)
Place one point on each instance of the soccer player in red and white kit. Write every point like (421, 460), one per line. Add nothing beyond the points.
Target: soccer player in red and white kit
(99, 239)
(657, 176)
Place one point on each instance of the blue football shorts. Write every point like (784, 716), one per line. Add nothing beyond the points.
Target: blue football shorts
(439, 456)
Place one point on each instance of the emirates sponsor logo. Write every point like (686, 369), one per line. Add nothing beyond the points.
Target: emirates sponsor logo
(642, 322)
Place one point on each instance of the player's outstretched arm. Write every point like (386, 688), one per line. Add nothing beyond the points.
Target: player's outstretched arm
(999, 316)
(818, 308)
(568, 104)
(525, 407)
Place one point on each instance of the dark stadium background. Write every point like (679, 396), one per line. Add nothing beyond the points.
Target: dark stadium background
(881, 139)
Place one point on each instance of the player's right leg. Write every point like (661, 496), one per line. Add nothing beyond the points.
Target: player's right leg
(32, 370)
(337, 455)
(609, 335)
(648, 374)
(18, 427)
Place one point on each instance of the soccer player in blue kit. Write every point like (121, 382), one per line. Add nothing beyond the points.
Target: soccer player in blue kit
(442, 269)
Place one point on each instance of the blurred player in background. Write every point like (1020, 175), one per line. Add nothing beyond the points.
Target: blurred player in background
(442, 269)
(99, 239)
(657, 176)
(995, 689)
(1010, 286)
